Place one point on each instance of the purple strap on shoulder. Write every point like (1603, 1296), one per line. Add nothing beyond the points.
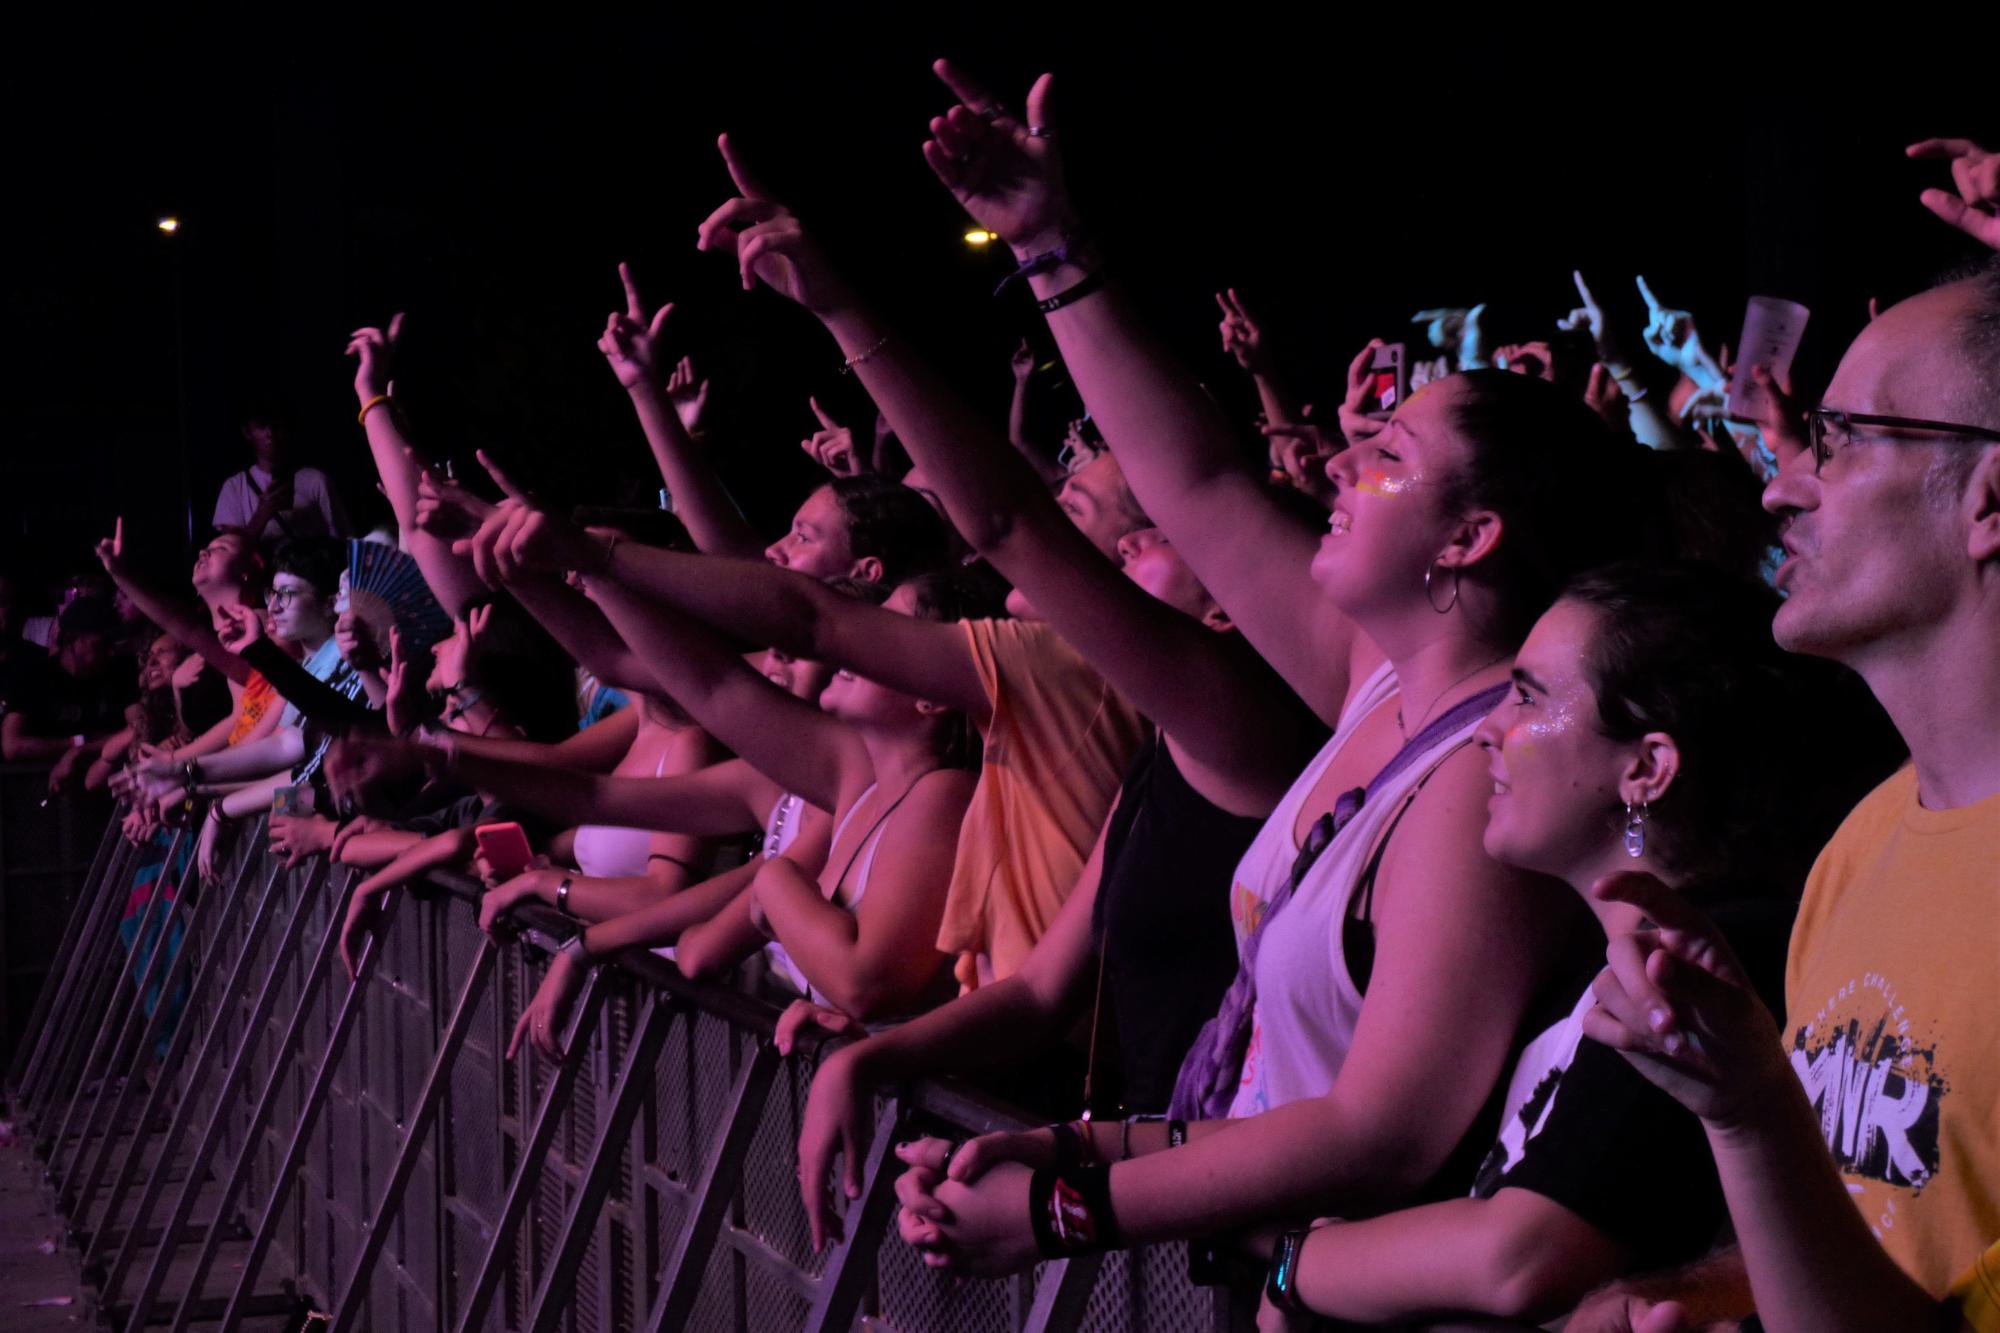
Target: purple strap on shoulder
(1209, 1076)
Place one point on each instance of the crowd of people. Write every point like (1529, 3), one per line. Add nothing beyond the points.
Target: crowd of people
(1509, 846)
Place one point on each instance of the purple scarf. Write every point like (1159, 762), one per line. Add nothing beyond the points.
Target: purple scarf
(1213, 1069)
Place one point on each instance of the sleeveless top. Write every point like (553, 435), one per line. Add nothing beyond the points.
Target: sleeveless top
(1308, 1000)
(847, 894)
(611, 851)
(1162, 920)
(781, 829)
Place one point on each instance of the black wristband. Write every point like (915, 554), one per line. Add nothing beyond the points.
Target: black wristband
(1070, 1211)
(1176, 1133)
(1281, 1286)
(1069, 1145)
(1074, 292)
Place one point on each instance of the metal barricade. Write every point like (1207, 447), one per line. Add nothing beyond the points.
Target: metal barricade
(281, 1138)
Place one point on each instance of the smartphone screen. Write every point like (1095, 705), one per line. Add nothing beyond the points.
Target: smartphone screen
(1388, 381)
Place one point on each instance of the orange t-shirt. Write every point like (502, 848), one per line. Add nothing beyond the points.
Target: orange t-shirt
(1978, 1293)
(1894, 964)
(1057, 745)
(258, 695)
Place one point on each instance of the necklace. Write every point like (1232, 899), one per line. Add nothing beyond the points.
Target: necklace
(1440, 697)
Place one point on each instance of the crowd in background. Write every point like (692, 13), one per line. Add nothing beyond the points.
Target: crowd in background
(1519, 841)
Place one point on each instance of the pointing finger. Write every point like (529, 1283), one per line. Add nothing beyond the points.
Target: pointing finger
(500, 478)
(740, 174)
(635, 309)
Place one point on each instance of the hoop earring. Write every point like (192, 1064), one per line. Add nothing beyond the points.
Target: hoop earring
(1635, 830)
(1446, 608)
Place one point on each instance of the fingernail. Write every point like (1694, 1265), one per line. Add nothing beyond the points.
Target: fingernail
(1658, 1018)
(1673, 1043)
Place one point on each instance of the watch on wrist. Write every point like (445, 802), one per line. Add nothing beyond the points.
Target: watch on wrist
(1281, 1286)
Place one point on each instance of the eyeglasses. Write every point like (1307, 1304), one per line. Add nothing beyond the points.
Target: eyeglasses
(277, 597)
(1830, 430)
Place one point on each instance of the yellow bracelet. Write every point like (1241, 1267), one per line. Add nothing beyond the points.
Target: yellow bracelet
(370, 406)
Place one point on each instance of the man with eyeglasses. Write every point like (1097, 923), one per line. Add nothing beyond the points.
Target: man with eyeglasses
(305, 579)
(1859, 1140)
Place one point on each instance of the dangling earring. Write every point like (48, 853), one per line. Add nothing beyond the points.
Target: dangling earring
(1635, 830)
(1441, 610)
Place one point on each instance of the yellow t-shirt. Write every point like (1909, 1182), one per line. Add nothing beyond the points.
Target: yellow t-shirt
(1978, 1293)
(1056, 748)
(1889, 989)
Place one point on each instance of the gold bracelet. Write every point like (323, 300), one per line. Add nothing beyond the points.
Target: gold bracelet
(370, 406)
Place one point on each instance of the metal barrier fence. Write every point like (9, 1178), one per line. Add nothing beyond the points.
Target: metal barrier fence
(237, 1133)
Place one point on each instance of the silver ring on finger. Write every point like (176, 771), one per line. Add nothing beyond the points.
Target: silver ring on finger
(1040, 132)
(945, 1165)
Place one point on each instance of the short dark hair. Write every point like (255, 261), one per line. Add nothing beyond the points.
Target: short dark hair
(1562, 482)
(1775, 748)
(317, 560)
(892, 523)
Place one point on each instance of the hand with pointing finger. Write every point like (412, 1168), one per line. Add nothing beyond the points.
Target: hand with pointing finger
(1677, 1003)
(1975, 174)
(1004, 170)
(1457, 333)
(111, 551)
(631, 338)
(769, 244)
(1670, 335)
(1589, 317)
(832, 445)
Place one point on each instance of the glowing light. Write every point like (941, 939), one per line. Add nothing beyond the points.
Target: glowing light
(980, 236)
(169, 225)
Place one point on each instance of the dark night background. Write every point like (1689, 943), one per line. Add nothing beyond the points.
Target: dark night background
(1340, 171)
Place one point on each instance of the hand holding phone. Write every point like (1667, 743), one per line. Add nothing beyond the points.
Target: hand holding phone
(505, 848)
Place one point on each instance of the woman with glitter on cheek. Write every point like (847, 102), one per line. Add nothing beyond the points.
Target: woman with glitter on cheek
(1652, 731)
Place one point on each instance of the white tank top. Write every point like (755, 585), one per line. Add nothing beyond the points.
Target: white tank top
(1305, 1011)
(781, 830)
(848, 895)
(611, 851)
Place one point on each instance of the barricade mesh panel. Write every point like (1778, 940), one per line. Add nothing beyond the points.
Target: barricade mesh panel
(756, 1273)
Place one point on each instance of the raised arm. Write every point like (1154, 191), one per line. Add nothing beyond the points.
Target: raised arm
(752, 599)
(788, 740)
(713, 802)
(1178, 452)
(631, 344)
(173, 615)
(1220, 705)
(451, 579)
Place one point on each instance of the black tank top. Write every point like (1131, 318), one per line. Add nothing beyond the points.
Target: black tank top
(1162, 919)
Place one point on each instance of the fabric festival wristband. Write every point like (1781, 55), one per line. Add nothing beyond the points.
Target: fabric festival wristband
(1072, 294)
(1070, 1212)
(1044, 262)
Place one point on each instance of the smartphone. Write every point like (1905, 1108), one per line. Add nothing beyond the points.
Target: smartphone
(292, 801)
(1388, 382)
(505, 848)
